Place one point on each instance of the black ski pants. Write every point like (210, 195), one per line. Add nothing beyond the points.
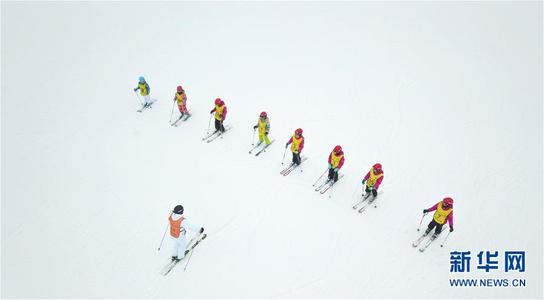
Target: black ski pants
(333, 175)
(219, 125)
(296, 158)
(438, 227)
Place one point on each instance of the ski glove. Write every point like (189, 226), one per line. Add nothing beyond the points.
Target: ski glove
(425, 211)
(330, 166)
(211, 111)
(135, 89)
(363, 182)
(266, 133)
(336, 170)
(451, 229)
(286, 145)
(255, 127)
(201, 229)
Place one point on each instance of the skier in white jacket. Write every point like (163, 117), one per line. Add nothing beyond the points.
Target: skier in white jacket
(178, 230)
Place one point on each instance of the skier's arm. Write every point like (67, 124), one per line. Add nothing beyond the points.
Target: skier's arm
(212, 111)
(224, 115)
(432, 208)
(301, 146)
(267, 126)
(378, 182)
(330, 160)
(148, 88)
(341, 163)
(190, 226)
(366, 177)
(450, 220)
(290, 141)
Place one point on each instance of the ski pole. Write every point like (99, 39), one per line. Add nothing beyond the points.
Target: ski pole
(172, 112)
(165, 230)
(320, 177)
(188, 260)
(443, 242)
(283, 159)
(253, 138)
(138, 97)
(421, 221)
(209, 123)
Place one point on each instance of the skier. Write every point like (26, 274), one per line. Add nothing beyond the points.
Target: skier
(178, 230)
(443, 212)
(336, 161)
(220, 113)
(297, 144)
(373, 179)
(264, 127)
(144, 91)
(181, 98)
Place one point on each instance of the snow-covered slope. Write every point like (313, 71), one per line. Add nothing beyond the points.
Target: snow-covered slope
(447, 96)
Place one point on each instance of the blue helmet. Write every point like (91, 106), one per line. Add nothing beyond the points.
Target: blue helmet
(142, 79)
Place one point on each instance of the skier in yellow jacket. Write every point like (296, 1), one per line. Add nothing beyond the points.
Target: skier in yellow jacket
(144, 91)
(263, 124)
(443, 212)
(220, 111)
(373, 179)
(297, 144)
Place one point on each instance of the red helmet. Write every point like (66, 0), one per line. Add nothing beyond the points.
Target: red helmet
(218, 102)
(337, 149)
(448, 201)
(263, 114)
(298, 131)
(180, 89)
(377, 166)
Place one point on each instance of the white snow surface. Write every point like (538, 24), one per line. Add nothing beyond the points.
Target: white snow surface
(446, 95)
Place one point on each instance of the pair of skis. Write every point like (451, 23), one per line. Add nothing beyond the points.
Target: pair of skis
(263, 149)
(327, 185)
(365, 203)
(144, 106)
(166, 269)
(292, 167)
(429, 241)
(181, 118)
(214, 135)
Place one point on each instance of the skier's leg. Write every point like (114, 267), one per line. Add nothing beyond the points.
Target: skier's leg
(367, 190)
(222, 127)
(174, 247)
(430, 227)
(298, 158)
(438, 229)
(374, 193)
(217, 125)
(331, 174)
(261, 137)
(335, 176)
(147, 100)
(294, 160)
(266, 139)
(182, 245)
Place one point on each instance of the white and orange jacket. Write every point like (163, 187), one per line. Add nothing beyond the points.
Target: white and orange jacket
(179, 225)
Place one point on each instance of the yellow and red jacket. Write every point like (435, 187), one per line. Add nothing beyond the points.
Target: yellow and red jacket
(181, 98)
(373, 179)
(336, 160)
(297, 144)
(220, 112)
(442, 215)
